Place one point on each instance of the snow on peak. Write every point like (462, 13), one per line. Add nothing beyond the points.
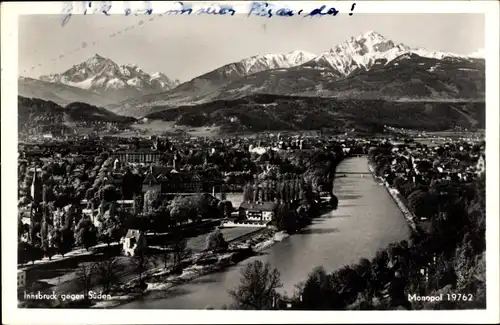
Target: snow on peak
(366, 50)
(158, 75)
(270, 61)
(360, 52)
(372, 35)
(299, 57)
(100, 73)
(96, 61)
(435, 55)
(479, 54)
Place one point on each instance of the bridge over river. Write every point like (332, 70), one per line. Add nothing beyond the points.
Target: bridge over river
(367, 219)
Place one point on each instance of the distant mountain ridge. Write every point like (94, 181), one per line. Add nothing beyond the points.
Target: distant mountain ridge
(113, 81)
(367, 66)
(58, 93)
(261, 112)
(40, 116)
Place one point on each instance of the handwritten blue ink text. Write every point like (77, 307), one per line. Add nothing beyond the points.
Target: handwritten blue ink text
(261, 9)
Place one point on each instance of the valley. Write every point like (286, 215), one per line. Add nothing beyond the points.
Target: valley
(360, 85)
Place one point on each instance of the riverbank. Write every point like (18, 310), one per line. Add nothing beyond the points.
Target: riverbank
(396, 196)
(366, 220)
(80, 253)
(161, 279)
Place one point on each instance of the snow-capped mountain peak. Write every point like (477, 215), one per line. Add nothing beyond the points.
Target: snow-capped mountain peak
(271, 61)
(479, 54)
(360, 52)
(101, 74)
(365, 51)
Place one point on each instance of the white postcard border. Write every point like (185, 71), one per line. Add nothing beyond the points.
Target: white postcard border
(13, 315)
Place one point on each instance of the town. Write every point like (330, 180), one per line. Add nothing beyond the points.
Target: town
(121, 215)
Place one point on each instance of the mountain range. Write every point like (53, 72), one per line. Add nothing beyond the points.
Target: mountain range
(366, 68)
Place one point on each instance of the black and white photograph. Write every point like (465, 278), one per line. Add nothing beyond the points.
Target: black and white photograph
(206, 159)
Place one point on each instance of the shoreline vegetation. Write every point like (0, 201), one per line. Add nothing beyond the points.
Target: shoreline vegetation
(159, 279)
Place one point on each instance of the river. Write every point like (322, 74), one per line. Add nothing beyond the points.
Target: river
(366, 220)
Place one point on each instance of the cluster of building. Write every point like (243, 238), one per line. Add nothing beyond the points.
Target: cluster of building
(459, 161)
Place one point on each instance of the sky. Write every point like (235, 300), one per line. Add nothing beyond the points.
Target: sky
(184, 47)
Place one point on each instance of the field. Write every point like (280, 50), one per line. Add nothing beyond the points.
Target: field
(158, 127)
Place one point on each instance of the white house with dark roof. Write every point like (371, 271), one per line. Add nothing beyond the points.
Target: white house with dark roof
(259, 211)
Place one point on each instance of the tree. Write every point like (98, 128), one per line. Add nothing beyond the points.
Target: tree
(257, 288)
(55, 240)
(84, 276)
(317, 292)
(247, 193)
(334, 201)
(215, 241)
(255, 192)
(220, 207)
(182, 209)
(138, 204)
(286, 218)
(107, 272)
(67, 241)
(225, 208)
(86, 233)
(165, 255)
(141, 263)
(206, 206)
(109, 193)
(421, 203)
(110, 231)
(46, 242)
(180, 251)
(28, 253)
(151, 201)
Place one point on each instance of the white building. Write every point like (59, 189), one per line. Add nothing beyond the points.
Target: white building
(134, 242)
(259, 211)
